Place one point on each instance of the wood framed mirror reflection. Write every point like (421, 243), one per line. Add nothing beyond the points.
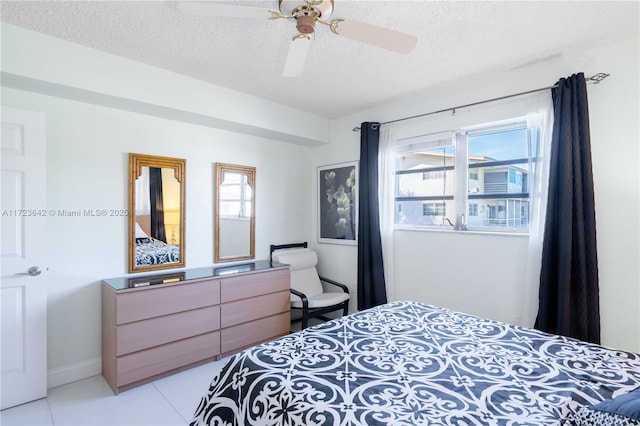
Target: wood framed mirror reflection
(157, 218)
(234, 212)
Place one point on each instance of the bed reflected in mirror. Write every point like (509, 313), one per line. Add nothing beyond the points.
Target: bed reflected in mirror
(156, 203)
(235, 217)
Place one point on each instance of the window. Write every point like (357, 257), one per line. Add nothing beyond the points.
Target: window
(421, 200)
(434, 209)
(474, 178)
(439, 174)
(235, 197)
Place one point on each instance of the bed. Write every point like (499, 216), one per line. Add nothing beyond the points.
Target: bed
(151, 251)
(410, 363)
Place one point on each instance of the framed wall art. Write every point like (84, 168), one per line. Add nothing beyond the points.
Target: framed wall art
(338, 203)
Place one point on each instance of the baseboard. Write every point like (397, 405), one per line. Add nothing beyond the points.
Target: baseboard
(74, 372)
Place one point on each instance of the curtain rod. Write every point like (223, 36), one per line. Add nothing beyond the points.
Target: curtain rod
(591, 80)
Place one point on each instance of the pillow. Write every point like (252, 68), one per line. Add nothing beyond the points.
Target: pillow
(296, 258)
(139, 232)
(141, 236)
(627, 404)
(623, 410)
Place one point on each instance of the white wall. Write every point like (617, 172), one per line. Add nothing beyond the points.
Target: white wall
(87, 148)
(614, 111)
(35, 61)
(87, 162)
(467, 272)
(234, 236)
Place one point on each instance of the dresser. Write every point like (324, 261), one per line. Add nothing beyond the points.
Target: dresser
(156, 325)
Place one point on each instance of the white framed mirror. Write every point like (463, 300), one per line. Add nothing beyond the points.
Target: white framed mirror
(234, 212)
(157, 212)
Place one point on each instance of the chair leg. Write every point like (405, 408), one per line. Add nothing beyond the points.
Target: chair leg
(305, 320)
(345, 310)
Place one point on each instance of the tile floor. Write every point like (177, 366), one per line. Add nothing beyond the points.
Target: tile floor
(168, 401)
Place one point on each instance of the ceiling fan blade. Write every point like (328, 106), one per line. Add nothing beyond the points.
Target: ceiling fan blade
(223, 10)
(296, 56)
(377, 36)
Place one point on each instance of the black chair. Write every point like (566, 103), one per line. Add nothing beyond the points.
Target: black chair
(307, 292)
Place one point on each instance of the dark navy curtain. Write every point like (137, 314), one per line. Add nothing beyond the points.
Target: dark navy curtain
(371, 284)
(157, 204)
(569, 294)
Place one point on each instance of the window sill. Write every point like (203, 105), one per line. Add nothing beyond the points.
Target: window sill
(450, 230)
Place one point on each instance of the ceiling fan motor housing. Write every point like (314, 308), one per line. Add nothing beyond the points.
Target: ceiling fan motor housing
(306, 23)
(306, 12)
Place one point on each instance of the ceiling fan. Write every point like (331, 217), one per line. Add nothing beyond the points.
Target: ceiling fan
(307, 13)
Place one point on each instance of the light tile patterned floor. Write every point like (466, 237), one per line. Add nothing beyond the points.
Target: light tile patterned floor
(168, 401)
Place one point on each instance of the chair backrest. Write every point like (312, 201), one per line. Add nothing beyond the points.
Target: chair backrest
(302, 264)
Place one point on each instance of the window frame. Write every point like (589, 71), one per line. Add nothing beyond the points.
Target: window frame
(462, 170)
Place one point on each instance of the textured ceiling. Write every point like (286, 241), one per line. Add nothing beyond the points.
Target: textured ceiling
(456, 40)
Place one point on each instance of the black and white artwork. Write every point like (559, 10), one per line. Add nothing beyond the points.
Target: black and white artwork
(337, 203)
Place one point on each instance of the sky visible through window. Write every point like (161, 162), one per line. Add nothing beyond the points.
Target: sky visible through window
(499, 146)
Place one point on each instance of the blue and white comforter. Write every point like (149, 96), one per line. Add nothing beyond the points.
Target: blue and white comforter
(150, 251)
(408, 363)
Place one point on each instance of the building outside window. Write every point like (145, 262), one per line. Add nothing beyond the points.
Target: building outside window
(434, 209)
(439, 174)
(470, 179)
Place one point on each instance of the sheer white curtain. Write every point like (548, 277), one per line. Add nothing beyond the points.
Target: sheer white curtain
(143, 200)
(541, 117)
(386, 200)
(539, 109)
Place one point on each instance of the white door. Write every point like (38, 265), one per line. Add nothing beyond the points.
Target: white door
(23, 282)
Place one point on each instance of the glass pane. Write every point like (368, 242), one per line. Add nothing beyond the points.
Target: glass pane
(230, 209)
(230, 192)
(247, 208)
(499, 174)
(235, 196)
(426, 186)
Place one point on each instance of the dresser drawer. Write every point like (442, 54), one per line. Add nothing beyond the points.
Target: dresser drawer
(235, 288)
(253, 308)
(251, 333)
(139, 335)
(154, 302)
(144, 364)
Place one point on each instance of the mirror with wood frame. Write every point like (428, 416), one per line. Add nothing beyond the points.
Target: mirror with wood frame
(156, 212)
(234, 212)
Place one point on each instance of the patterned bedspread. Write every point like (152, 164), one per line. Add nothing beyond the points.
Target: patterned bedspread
(408, 363)
(155, 252)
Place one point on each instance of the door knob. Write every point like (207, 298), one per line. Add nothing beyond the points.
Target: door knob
(33, 271)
